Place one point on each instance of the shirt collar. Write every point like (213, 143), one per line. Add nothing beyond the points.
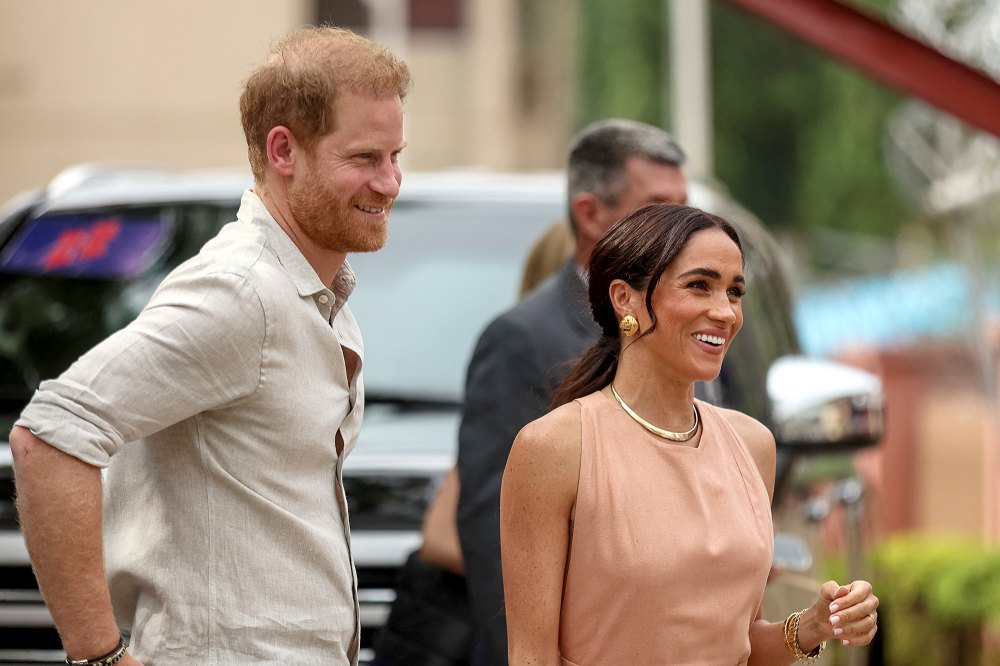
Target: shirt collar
(255, 213)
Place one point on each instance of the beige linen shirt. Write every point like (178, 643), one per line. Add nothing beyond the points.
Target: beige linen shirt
(219, 413)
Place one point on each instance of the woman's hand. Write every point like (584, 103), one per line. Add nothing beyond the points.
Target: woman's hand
(847, 613)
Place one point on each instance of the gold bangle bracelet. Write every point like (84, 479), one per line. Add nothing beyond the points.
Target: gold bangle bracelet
(787, 631)
(791, 633)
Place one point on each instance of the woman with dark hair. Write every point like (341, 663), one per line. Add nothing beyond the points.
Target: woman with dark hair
(635, 519)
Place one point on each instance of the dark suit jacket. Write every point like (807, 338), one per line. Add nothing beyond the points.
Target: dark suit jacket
(519, 361)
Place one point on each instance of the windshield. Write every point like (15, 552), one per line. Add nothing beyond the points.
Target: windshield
(69, 281)
(444, 273)
(117, 246)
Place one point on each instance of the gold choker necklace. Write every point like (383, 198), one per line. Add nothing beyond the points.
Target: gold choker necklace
(665, 434)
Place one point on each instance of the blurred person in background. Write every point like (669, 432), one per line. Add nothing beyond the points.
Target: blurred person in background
(614, 166)
(547, 254)
(429, 620)
(224, 412)
(635, 519)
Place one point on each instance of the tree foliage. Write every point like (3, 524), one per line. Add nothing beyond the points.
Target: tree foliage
(798, 136)
(621, 60)
(939, 594)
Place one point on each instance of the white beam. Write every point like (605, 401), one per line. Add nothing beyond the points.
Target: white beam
(690, 83)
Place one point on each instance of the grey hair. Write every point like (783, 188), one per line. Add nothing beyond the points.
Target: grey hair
(597, 156)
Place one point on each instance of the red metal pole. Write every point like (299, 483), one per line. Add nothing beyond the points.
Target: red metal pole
(887, 55)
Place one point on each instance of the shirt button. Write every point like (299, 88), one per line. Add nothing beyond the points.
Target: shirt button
(324, 299)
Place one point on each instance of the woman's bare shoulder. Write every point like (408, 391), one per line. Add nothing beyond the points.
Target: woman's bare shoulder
(556, 434)
(544, 462)
(547, 450)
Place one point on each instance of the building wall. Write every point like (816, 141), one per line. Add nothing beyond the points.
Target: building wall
(117, 80)
(936, 469)
(159, 82)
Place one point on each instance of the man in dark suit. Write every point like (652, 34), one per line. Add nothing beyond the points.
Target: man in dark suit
(614, 167)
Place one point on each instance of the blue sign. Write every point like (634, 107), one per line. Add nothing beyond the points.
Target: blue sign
(88, 246)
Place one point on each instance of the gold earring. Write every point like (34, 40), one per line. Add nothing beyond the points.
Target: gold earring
(628, 325)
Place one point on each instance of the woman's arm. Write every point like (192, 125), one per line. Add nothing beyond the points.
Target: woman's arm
(536, 505)
(842, 612)
(440, 531)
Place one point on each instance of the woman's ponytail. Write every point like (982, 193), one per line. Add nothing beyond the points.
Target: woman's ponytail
(595, 370)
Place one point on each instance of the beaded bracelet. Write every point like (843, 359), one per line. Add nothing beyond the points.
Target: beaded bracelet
(791, 632)
(108, 659)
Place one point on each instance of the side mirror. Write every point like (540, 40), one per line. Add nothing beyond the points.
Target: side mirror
(823, 406)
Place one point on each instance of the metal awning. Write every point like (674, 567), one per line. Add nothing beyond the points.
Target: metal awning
(887, 55)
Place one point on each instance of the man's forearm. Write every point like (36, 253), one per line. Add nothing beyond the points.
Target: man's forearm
(59, 506)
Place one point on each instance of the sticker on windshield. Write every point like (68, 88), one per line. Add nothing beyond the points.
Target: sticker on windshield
(91, 246)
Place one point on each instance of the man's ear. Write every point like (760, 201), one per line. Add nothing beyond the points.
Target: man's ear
(586, 208)
(282, 150)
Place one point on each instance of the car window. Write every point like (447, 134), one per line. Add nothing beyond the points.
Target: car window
(68, 281)
(448, 268)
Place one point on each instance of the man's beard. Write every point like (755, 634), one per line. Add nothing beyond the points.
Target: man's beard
(326, 218)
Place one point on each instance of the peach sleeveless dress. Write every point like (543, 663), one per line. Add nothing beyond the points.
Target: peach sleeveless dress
(671, 545)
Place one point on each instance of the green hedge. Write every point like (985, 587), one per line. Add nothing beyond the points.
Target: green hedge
(940, 601)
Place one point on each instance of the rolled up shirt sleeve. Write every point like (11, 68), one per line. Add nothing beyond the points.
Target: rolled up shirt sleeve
(198, 345)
